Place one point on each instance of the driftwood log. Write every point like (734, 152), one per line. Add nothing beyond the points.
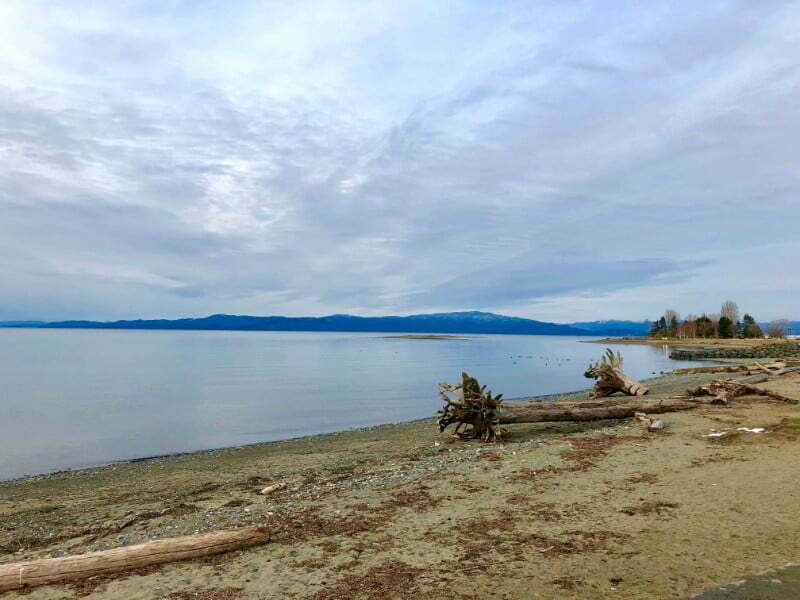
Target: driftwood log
(471, 406)
(723, 391)
(16, 576)
(541, 412)
(611, 379)
(777, 368)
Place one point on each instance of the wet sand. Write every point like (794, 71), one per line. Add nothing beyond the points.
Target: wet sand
(401, 511)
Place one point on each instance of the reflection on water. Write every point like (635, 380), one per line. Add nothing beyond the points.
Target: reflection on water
(73, 398)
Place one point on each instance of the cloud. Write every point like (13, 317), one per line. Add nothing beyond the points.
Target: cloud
(170, 159)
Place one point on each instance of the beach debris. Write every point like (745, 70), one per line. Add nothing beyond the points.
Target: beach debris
(272, 488)
(714, 433)
(751, 429)
(14, 576)
(610, 377)
(773, 368)
(652, 424)
(469, 403)
(723, 391)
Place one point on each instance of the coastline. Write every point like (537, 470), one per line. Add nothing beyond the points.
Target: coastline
(401, 505)
(702, 342)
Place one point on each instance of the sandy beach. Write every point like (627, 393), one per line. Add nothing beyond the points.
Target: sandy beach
(400, 511)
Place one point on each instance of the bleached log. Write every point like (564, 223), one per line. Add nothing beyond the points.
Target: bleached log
(611, 379)
(524, 412)
(35, 573)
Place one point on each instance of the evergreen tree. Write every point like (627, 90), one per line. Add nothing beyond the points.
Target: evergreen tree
(726, 329)
(750, 328)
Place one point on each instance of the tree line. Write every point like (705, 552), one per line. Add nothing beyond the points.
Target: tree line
(725, 324)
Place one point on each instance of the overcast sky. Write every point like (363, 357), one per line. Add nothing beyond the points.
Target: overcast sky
(556, 160)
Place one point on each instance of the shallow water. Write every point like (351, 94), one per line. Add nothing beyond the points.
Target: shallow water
(76, 398)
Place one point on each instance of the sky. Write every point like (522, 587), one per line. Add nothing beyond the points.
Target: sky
(562, 161)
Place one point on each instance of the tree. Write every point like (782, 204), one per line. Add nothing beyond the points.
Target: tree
(726, 327)
(659, 328)
(731, 310)
(778, 328)
(689, 327)
(704, 327)
(654, 331)
(750, 328)
(670, 321)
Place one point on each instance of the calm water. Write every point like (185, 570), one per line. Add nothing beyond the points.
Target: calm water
(77, 398)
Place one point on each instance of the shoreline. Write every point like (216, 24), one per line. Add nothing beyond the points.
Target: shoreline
(554, 397)
(399, 507)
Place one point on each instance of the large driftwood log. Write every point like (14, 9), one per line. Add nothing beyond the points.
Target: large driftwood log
(469, 404)
(15, 576)
(540, 412)
(610, 377)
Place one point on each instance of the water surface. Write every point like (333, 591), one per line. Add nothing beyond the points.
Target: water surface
(75, 398)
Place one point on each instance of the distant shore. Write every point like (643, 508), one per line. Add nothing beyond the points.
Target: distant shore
(661, 341)
(426, 336)
(717, 349)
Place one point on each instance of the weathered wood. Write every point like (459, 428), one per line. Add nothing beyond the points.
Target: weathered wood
(519, 412)
(611, 379)
(786, 371)
(750, 379)
(469, 403)
(651, 423)
(774, 369)
(272, 488)
(15, 576)
(711, 369)
(722, 391)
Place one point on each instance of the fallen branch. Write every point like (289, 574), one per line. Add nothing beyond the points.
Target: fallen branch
(16, 576)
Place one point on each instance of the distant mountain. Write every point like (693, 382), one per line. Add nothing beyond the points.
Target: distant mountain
(618, 328)
(457, 322)
(21, 323)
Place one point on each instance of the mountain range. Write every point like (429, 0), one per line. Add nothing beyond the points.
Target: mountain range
(455, 322)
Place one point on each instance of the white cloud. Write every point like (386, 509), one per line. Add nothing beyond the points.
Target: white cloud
(555, 160)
